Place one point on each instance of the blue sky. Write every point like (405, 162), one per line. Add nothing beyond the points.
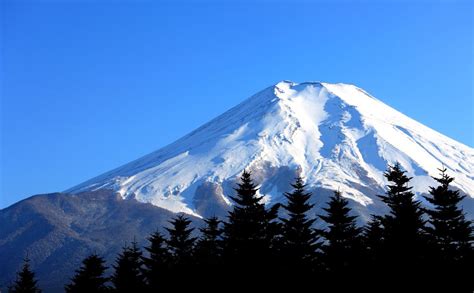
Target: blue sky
(88, 86)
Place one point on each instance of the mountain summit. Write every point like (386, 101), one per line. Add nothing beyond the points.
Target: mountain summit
(337, 136)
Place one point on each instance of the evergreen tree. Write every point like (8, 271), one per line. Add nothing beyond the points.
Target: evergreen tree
(342, 247)
(450, 232)
(300, 240)
(156, 264)
(90, 277)
(371, 261)
(25, 281)
(246, 241)
(273, 236)
(404, 246)
(128, 276)
(209, 245)
(373, 237)
(449, 229)
(180, 243)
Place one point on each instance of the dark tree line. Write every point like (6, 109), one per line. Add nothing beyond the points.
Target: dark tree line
(409, 248)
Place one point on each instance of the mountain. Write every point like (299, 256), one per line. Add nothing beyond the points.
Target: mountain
(59, 230)
(337, 136)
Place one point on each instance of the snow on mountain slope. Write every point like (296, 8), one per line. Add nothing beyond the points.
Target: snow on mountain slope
(336, 136)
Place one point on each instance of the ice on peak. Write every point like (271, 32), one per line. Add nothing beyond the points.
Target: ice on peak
(285, 81)
(288, 90)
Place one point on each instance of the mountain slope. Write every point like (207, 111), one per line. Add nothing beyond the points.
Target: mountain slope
(335, 135)
(58, 231)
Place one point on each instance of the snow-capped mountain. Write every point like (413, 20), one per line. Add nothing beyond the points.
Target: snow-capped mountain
(336, 136)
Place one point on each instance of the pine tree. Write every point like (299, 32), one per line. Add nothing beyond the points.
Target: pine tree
(90, 277)
(247, 243)
(273, 236)
(342, 249)
(371, 260)
(180, 243)
(404, 239)
(128, 276)
(157, 263)
(25, 281)
(300, 240)
(209, 245)
(449, 229)
(373, 237)
(450, 233)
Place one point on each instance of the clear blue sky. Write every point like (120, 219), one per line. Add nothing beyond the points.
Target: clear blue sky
(87, 87)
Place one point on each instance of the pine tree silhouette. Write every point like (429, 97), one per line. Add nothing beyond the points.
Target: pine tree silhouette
(300, 241)
(449, 228)
(25, 281)
(128, 276)
(451, 234)
(209, 245)
(273, 238)
(371, 256)
(343, 245)
(181, 246)
(90, 277)
(208, 251)
(404, 239)
(373, 239)
(157, 263)
(248, 233)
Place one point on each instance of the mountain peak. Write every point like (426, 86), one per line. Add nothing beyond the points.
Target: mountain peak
(349, 93)
(337, 136)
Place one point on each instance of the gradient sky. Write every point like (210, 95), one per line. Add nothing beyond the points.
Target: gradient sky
(88, 86)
